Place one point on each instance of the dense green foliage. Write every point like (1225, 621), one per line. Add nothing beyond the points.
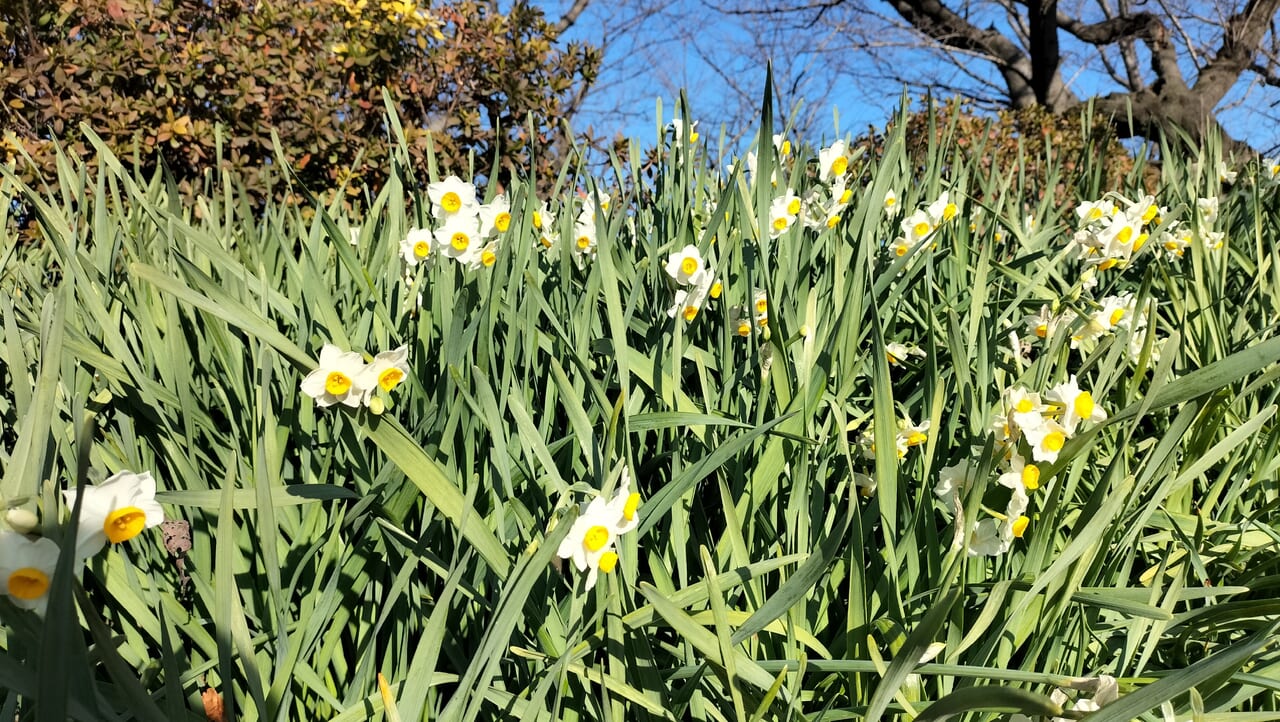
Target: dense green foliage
(156, 79)
(788, 564)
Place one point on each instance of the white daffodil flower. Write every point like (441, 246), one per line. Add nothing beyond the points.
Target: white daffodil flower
(26, 569)
(416, 246)
(459, 238)
(114, 511)
(590, 541)
(494, 216)
(684, 264)
(386, 372)
(337, 378)
(450, 196)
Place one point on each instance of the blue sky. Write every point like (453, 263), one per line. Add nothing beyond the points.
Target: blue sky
(689, 44)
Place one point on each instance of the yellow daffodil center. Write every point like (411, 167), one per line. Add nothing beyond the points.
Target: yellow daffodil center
(690, 313)
(1084, 405)
(716, 290)
(1031, 476)
(744, 328)
(889, 201)
(1110, 262)
(1023, 406)
(460, 241)
(915, 438)
(502, 222)
(390, 378)
(451, 202)
(689, 266)
(422, 249)
(583, 242)
(1095, 213)
(595, 538)
(337, 383)
(1150, 213)
(629, 509)
(28, 583)
(949, 211)
(848, 195)
(793, 207)
(1116, 315)
(488, 257)
(1142, 241)
(1125, 234)
(1020, 526)
(607, 562)
(921, 229)
(546, 242)
(124, 523)
(786, 147)
(1054, 440)
(780, 224)
(839, 166)
(833, 221)
(900, 250)
(1042, 330)
(762, 305)
(892, 359)
(537, 220)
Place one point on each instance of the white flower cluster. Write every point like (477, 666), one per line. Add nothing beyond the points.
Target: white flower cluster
(466, 230)
(1112, 313)
(920, 224)
(695, 282)
(1029, 432)
(114, 511)
(344, 378)
(1109, 236)
(591, 539)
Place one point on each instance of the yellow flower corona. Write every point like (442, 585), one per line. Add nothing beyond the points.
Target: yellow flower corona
(584, 242)
(502, 222)
(488, 258)
(629, 509)
(460, 241)
(690, 313)
(716, 290)
(689, 266)
(1031, 476)
(1054, 440)
(390, 378)
(124, 524)
(28, 584)
(794, 206)
(1020, 526)
(337, 383)
(1084, 405)
(422, 249)
(608, 561)
(451, 202)
(595, 538)
(839, 166)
